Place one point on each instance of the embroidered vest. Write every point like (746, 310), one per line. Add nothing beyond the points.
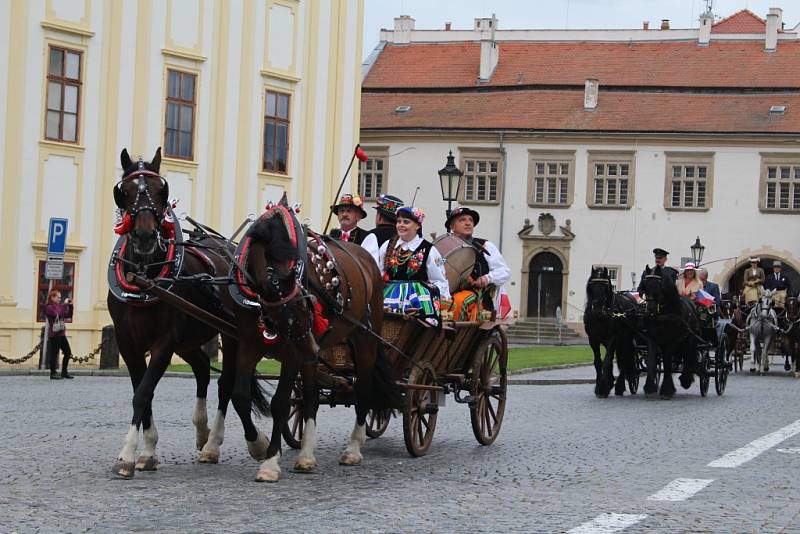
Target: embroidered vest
(384, 233)
(404, 265)
(481, 264)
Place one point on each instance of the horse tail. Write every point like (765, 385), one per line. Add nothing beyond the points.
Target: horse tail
(260, 398)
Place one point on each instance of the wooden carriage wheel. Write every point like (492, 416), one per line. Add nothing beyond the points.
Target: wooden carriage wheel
(293, 429)
(702, 372)
(377, 422)
(489, 389)
(421, 410)
(721, 366)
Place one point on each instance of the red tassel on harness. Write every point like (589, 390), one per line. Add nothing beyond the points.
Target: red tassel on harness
(124, 225)
(168, 226)
(320, 324)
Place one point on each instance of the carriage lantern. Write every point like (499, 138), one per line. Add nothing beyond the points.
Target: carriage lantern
(697, 251)
(450, 180)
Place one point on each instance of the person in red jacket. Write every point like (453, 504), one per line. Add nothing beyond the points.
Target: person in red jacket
(56, 312)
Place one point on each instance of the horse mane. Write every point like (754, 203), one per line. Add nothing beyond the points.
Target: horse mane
(272, 234)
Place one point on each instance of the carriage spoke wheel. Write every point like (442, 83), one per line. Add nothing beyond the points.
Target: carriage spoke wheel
(293, 429)
(721, 367)
(489, 389)
(421, 411)
(377, 422)
(702, 372)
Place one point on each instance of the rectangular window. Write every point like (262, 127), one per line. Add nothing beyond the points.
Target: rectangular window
(179, 124)
(614, 273)
(372, 175)
(781, 186)
(481, 180)
(689, 181)
(551, 178)
(610, 183)
(63, 94)
(66, 285)
(276, 132)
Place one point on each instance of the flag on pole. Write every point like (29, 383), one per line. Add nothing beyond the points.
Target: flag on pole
(704, 298)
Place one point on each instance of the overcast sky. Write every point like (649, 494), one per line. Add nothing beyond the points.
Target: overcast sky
(574, 14)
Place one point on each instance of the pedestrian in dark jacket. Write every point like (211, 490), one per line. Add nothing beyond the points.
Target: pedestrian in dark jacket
(56, 312)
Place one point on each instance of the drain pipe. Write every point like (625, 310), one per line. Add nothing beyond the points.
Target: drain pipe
(503, 197)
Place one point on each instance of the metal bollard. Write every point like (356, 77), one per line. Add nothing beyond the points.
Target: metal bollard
(211, 348)
(42, 348)
(109, 354)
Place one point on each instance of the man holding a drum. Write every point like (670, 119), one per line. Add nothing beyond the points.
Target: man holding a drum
(489, 271)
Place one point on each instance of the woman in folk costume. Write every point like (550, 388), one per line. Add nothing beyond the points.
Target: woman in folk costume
(688, 283)
(753, 282)
(412, 269)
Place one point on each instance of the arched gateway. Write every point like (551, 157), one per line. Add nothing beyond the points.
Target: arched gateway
(545, 284)
(735, 282)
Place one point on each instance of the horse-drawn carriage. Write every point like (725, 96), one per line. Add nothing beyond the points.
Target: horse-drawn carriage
(310, 301)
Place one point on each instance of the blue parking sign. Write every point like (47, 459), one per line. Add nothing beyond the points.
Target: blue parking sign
(57, 236)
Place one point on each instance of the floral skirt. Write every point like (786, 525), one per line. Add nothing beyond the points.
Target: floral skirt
(412, 298)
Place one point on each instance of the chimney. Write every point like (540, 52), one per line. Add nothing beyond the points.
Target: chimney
(774, 21)
(646, 25)
(403, 25)
(590, 92)
(664, 24)
(490, 49)
(706, 21)
(447, 26)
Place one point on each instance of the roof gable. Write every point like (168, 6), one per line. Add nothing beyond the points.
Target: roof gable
(744, 21)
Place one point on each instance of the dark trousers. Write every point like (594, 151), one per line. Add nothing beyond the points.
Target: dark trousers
(55, 344)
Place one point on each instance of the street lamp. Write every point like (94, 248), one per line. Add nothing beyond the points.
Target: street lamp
(697, 251)
(450, 180)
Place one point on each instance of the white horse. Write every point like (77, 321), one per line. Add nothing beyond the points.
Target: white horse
(762, 325)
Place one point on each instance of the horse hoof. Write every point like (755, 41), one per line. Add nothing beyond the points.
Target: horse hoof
(305, 465)
(796, 374)
(258, 448)
(202, 438)
(208, 457)
(123, 469)
(268, 475)
(350, 458)
(787, 367)
(149, 463)
(752, 370)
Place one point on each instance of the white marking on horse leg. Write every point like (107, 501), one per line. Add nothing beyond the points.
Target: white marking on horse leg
(305, 460)
(210, 452)
(258, 447)
(352, 454)
(147, 461)
(128, 452)
(200, 421)
(269, 470)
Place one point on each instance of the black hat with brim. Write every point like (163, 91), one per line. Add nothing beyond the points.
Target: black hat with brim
(348, 201)
(388, 205)
(660, 253)
(462, 211)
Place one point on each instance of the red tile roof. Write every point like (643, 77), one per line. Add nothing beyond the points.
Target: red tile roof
(562, 110)
(673, 64)
(744, 21)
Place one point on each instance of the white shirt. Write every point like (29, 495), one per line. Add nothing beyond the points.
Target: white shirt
(499, 272)
(370, 243)
(434, 266)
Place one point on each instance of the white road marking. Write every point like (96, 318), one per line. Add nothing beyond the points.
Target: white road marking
(605, 523)
(680, 489)
(756, 447)
(790, 450)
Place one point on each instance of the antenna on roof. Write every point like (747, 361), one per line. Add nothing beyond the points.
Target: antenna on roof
(709, 6)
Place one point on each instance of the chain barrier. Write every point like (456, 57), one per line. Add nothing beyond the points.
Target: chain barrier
(35, 350)
(15, 361)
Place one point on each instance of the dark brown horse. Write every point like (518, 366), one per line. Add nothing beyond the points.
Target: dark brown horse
(150, 247)
(279, 283)
(792, 328)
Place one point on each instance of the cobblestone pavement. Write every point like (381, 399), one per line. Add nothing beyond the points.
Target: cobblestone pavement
(562, 459)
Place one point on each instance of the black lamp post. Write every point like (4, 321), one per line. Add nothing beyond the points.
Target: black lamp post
(450, 180)
(697, 251)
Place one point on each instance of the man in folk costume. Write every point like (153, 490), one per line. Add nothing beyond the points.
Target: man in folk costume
(660, 256)
(490, 272)
(779, 283)
(753, 282)
(349, 211)
(385, 225)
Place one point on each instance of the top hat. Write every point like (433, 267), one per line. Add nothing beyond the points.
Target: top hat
(462, 211)
(350, 201)
(777, 263)
(660, 253)
(388, 205)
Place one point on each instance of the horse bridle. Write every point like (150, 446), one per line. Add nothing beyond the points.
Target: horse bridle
(142, 190)
(610, 293)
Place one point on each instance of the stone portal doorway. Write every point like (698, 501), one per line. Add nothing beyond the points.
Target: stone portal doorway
(545, 285)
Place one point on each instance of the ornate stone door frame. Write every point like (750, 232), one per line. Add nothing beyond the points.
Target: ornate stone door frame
(544, 239)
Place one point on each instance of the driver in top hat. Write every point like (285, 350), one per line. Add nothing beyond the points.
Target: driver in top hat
(349, 211)
(660, 256)
(490, 270)
(385, 225)
(779, 283)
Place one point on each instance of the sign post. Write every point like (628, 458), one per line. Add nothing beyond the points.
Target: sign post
(54, 266)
